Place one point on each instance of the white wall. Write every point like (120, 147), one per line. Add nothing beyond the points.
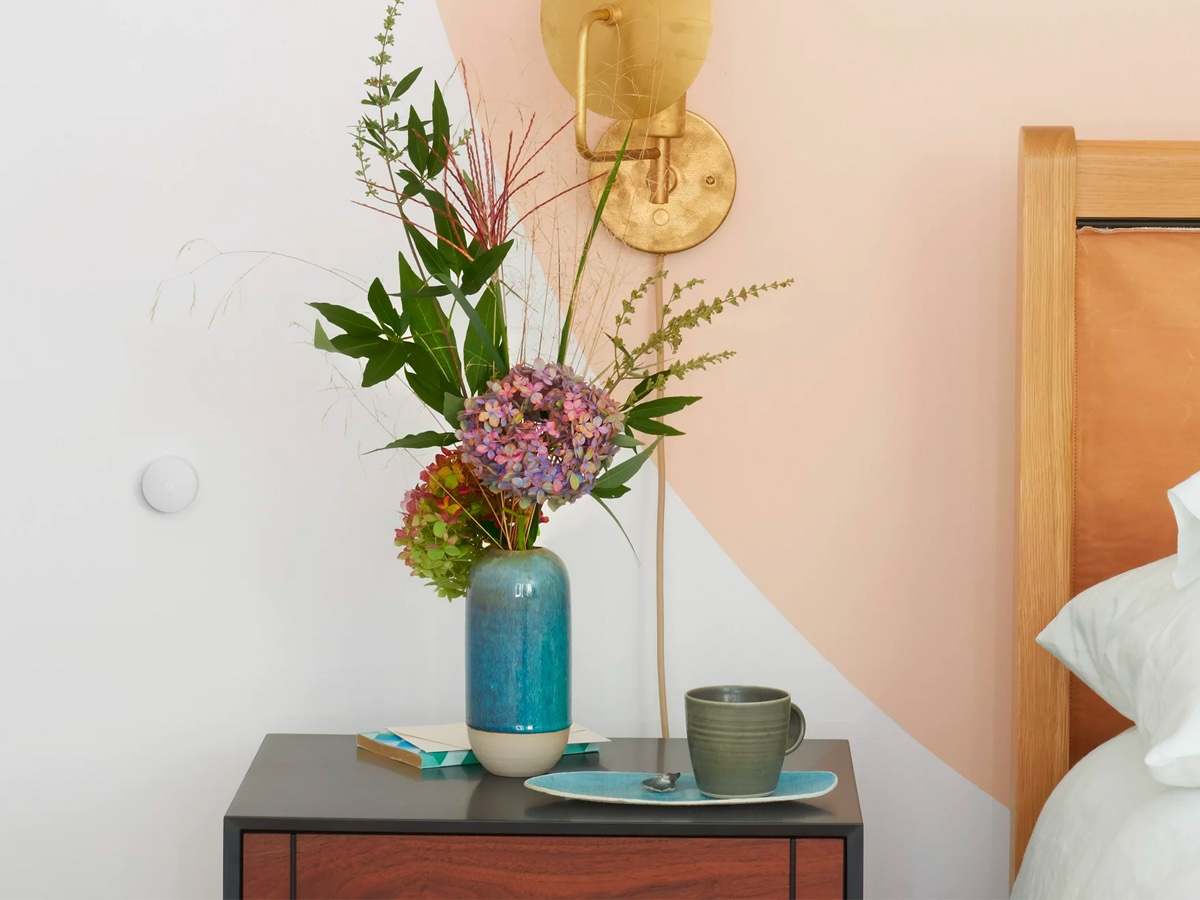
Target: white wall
(144, 656)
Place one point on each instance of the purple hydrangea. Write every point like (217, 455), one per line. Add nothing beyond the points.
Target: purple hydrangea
(541, 433)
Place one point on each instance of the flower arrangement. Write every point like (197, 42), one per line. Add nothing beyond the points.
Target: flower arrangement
(524, 436)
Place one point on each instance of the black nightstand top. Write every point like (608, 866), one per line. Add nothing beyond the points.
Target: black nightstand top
(323, 782)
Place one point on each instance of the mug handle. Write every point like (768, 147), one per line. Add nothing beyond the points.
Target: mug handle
(794, 717)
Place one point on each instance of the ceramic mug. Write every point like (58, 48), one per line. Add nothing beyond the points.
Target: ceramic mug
(738, 735)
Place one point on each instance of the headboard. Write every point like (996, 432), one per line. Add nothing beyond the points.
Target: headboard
(1109, 407)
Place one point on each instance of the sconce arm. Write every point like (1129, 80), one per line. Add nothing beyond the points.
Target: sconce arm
(607, 15)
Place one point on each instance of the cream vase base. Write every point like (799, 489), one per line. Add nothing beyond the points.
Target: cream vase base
(518, 755)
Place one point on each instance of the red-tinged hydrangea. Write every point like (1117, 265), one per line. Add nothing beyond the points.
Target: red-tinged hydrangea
(442, 536)
(541, 434)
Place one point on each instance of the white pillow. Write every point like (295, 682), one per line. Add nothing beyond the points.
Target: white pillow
(1185, 500)
(1135, 641)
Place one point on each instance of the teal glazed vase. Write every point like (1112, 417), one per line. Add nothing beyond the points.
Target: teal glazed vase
(518, 661)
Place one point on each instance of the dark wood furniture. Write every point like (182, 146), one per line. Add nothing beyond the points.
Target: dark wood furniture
(317, 817)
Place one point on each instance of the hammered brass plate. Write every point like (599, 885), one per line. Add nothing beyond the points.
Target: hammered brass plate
(703, 180)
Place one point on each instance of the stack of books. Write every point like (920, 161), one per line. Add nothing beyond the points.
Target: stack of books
(438, 746)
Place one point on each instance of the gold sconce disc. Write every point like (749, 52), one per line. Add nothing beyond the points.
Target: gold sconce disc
(643, 64)
(702, 181)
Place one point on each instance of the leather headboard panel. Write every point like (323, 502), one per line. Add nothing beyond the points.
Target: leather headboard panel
(1137, 415)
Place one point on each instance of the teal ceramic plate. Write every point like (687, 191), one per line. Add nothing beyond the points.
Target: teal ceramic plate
(626, 787)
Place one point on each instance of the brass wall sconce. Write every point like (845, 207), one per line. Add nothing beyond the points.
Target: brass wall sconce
(634, 60)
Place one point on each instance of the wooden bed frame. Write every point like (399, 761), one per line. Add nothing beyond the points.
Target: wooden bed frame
(1064, 183)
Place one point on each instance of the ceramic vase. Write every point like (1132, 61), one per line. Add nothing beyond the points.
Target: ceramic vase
(518, 661)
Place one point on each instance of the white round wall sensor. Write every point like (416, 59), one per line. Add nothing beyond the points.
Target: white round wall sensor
(169, 484)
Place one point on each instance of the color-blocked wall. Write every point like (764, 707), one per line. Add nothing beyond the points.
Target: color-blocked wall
(844, 531)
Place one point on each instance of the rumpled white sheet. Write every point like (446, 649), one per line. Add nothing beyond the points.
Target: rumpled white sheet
(1109, 830)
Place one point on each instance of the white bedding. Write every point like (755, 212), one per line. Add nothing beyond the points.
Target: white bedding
(1109, 830)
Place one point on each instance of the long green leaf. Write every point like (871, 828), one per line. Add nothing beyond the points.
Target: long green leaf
(651, 426)
(640, 390)
(660, 406)
(381, 305)
(359, 345)
(431, 257)
(535, 525)
(611, 493)
(478, 359)
(452, 405)
(412, 182)
(418, 141)
(347, 319)
(613, 516)
(430, 329)
(477, 272)
(565, 337)
(405, 83)
(321, 339)
(478, 328)
(429, 290)
(427, 393)
(621, 473)
(625, 440)
(439, 141)
(450, 231)
(383, 365)
(420, 441)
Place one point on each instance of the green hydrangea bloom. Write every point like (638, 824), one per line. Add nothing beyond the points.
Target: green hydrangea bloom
(444, 519)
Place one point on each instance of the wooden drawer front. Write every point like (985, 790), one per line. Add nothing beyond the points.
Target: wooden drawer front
(369, 866)
(266, 866)
(820, 868)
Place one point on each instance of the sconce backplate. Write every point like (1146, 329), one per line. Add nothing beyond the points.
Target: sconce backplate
(702, 179)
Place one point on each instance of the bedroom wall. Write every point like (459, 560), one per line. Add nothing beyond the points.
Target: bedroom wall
(855, 549)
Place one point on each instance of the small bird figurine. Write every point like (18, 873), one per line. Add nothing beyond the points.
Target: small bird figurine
(662, 783)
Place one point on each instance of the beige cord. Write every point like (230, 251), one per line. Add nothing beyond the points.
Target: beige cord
(660, 459)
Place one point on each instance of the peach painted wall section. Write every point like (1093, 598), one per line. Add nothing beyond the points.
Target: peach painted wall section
(856, 461)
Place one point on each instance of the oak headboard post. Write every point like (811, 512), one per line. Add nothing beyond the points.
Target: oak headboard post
(1046, 267)
(1107, 351)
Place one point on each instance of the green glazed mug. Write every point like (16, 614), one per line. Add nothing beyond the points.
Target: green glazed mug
(738, 735)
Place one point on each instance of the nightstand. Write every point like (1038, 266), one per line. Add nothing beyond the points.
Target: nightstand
(317, 817)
